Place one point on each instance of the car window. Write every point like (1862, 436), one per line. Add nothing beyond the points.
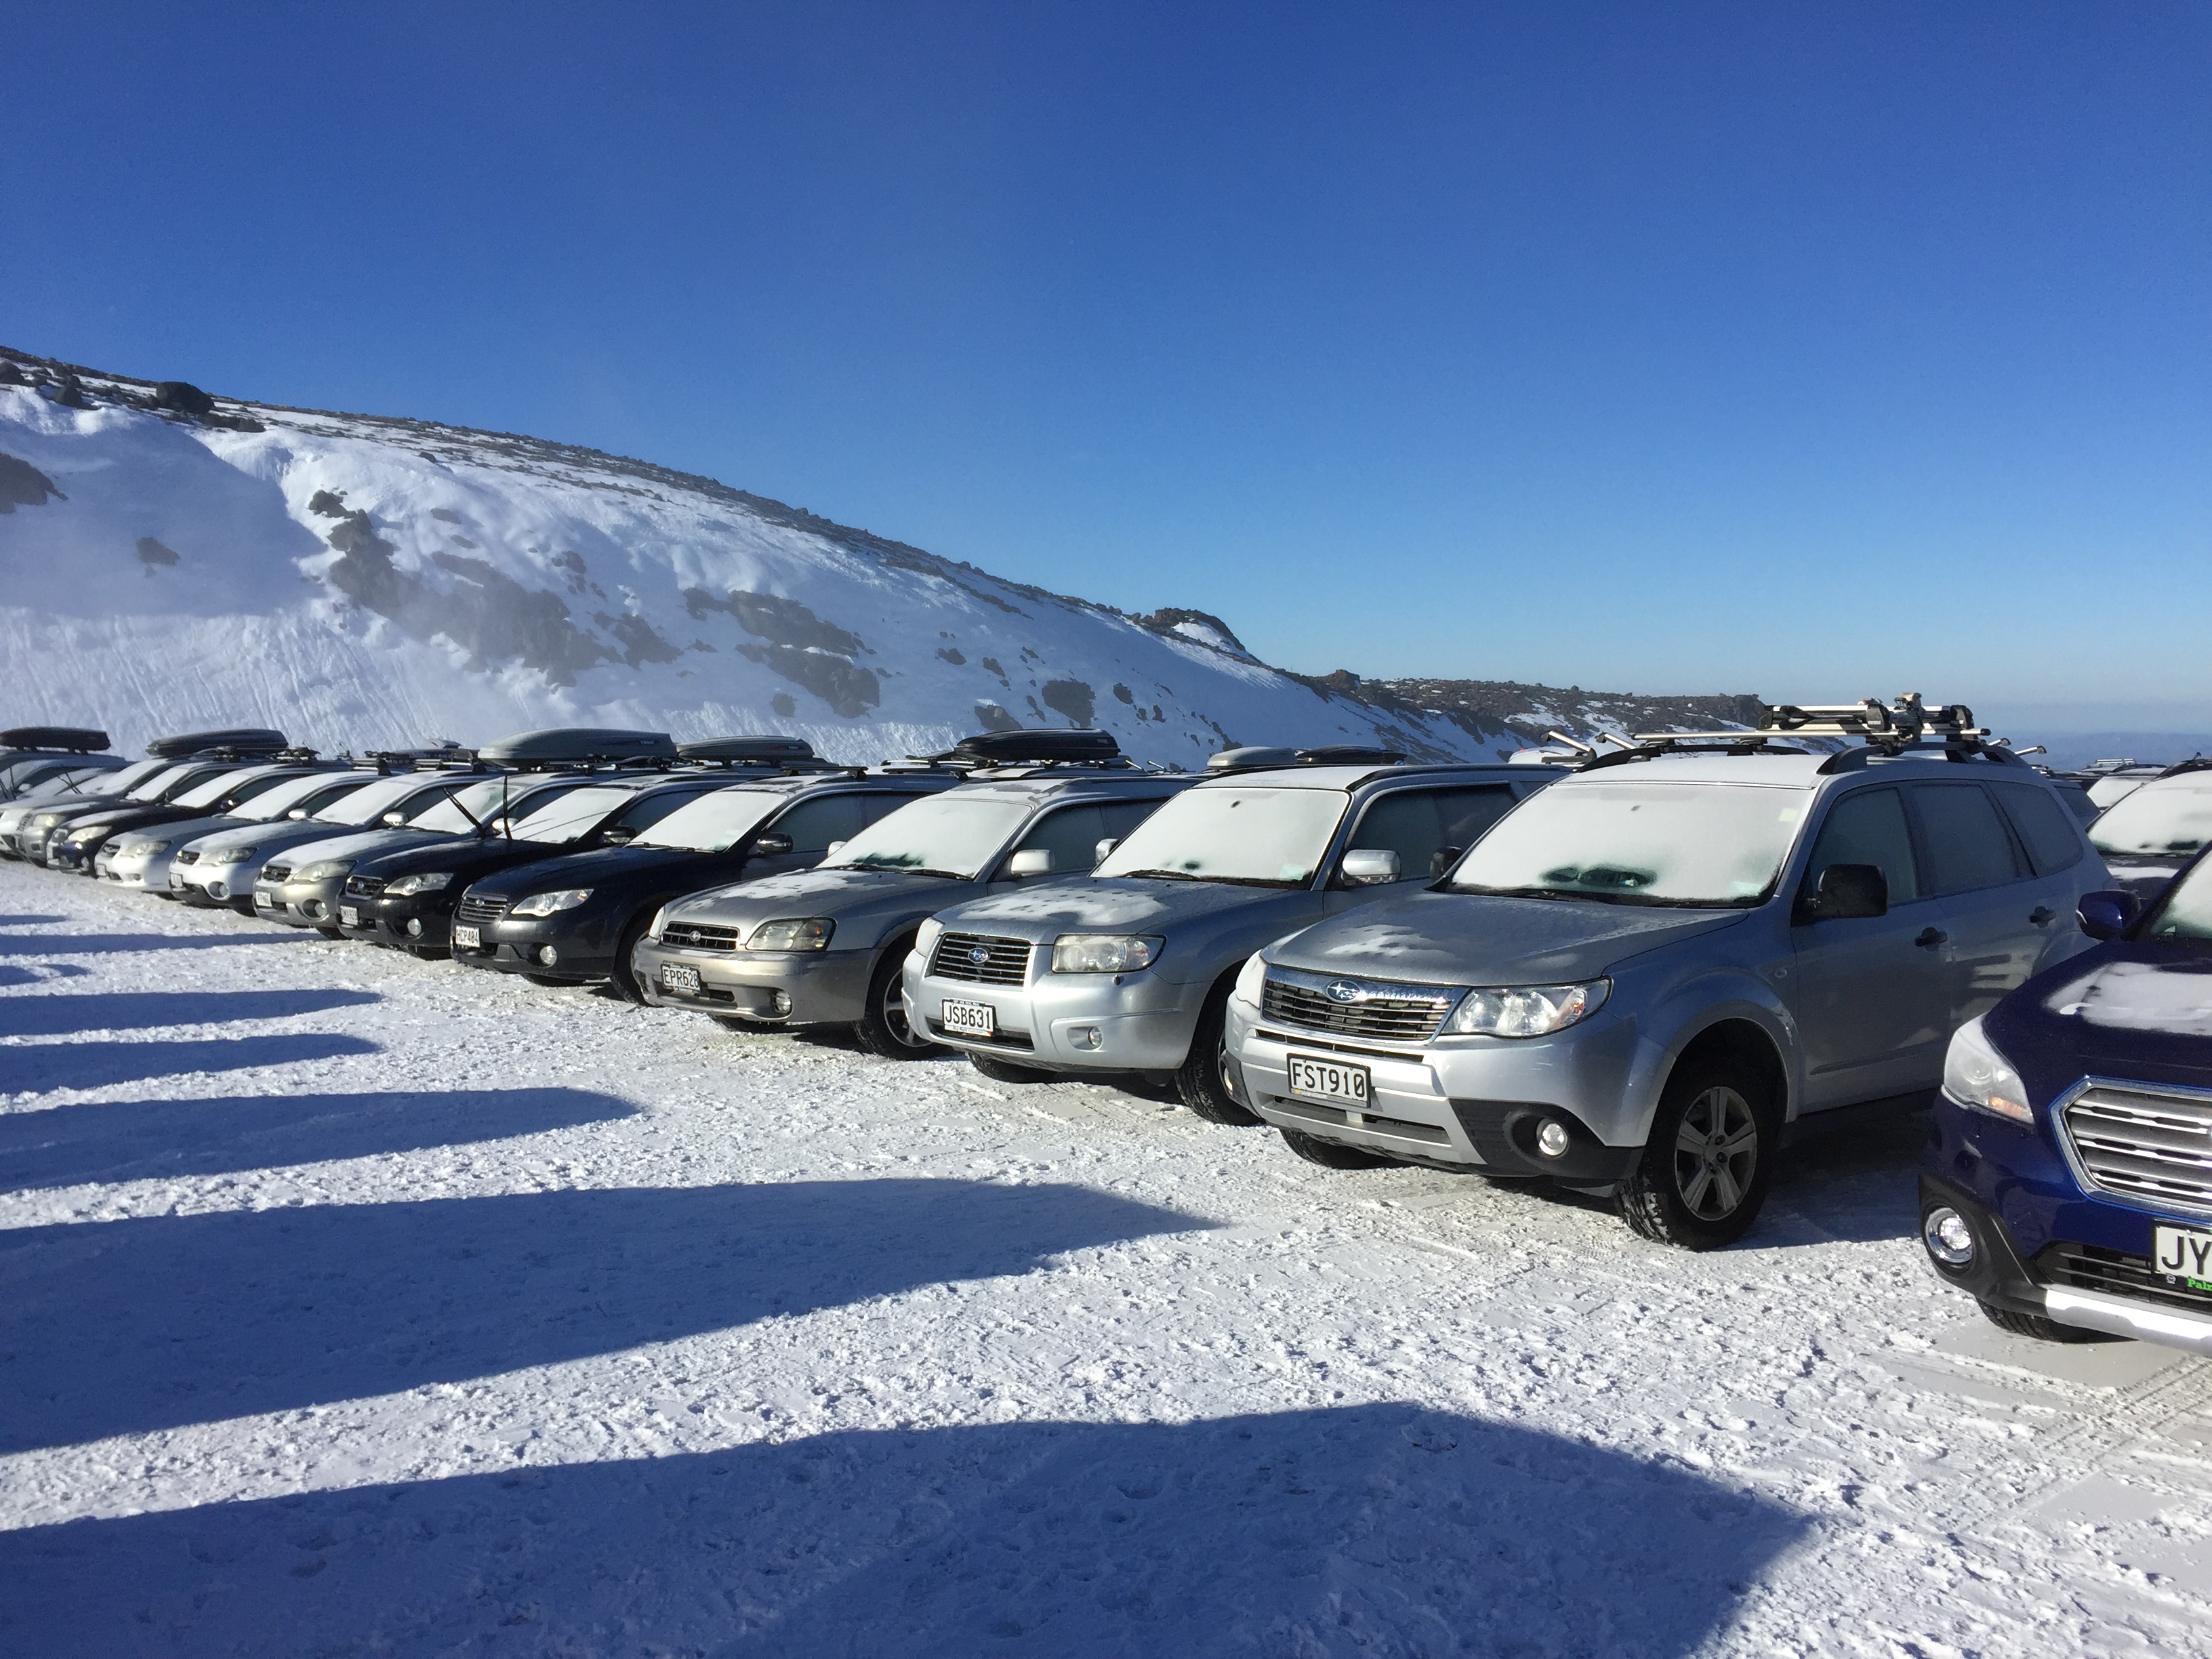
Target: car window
(813, 825)
(1867, 827)
(2167, 818)
(649, 809)
(1071, 834)
(876, 808)
(1120, 817)
(1967, 844)
(1414, 823)
(715, 822)
(2047, 828)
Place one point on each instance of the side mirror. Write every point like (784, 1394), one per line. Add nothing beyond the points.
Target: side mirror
(772, 841)
(1104, 850)
(834, 849)
(1369, 866)
(1849, 891)
(297, 813)
(617, 835)
(2107, 914)
(1030, 862)
(395, 819)
(1442, 859)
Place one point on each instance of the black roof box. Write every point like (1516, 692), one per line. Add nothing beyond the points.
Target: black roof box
(69, 740)
(578, 743)
(1030, 748)
(747, 749)
(242, 740)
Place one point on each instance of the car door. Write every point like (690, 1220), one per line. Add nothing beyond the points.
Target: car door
(1417, 825)
(1872, 1005)
(1987, 894)
(812, 823)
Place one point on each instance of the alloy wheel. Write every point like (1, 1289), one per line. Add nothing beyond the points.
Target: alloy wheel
(1716, 1153)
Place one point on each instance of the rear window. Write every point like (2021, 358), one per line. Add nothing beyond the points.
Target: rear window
(2047, 828)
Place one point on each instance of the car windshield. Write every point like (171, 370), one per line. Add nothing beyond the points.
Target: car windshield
(463, 812)
(1253, 837)
(946, 834)
(576, 813)
(283, 795)
(715, 823)
(227, 783)
(125, 781)
(151, 788)
(2173, 817)
(1696, 844)
(371, 801)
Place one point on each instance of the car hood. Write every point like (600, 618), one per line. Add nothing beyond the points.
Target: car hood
(599, 864)
(1088, 904)
(271, 838)
(842, 894)
(2122, 1010)
(465, 856)
(1470, 938)
(354, 845)
(192, 828)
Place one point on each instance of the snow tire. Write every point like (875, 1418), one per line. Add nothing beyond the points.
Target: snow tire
(883, 1028)
(2034, 1325)
(1204, 1082)
(1706, 1168)
(1330, 1155)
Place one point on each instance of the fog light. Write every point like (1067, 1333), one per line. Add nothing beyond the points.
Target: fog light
(1551, 1139)
(1948, 1236)
(415, 928)
(547, 956)
(216, 890)
(779, 1003)
(1082, 1036)
(312, 908)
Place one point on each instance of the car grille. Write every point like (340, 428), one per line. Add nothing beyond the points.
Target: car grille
(2092, 1267)
(2142, 1144)
(363, 886)
(275, 873)
(1371, 1008)
(697, 936)
(187, 856)
(475, 908)
(1003, 961)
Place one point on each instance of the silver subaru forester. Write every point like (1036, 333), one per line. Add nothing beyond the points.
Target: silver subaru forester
(1643, 973)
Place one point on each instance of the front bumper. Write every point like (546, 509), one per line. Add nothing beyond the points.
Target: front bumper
(1465, 1103)
(582, 943)
(296, 903)
(198, 881)
(777, 987)
(1143, 1023)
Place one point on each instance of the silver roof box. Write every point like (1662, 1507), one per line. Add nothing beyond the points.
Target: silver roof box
(768, 749)
(577, 743)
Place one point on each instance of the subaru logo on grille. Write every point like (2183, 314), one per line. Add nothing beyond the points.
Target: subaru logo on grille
(1341, 990)
(978, 955)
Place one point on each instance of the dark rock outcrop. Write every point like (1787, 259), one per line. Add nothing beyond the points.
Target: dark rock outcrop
(22, 484)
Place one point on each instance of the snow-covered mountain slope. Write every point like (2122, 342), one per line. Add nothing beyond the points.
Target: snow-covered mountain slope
(168, 560)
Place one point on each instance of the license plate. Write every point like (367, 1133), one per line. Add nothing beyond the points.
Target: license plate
(675, 976)
(176, 878)
(1314, 1079)
(2183, 1253)
(266, 901)
(969, 1018)
(467, 937)
(348, 916)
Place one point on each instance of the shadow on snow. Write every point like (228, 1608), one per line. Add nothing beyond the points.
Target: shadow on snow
(38, 1068)
(126, 1011)
(39, 944)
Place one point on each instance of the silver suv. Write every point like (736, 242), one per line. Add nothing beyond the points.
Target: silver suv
(826, 946)
(1130, 970)
(1640, 975)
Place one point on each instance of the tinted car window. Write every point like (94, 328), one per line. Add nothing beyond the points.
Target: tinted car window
(1414, 823)
(1868, 827)
(876, 807)
(651, 808)
(813, 825)
(1966, 841)
(1071, 834)
(1120, 817)
(2047, 830)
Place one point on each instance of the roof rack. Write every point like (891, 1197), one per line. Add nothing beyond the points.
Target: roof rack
(1884, 730)
(1254, 756)
(65, 739)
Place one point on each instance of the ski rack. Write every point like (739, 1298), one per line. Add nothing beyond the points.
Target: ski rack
(1883, 730)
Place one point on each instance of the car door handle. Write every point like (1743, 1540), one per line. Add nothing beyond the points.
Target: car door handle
(1932, 937)
(2041, 916)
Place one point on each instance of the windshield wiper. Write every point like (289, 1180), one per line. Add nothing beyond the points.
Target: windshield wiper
(1226, 881)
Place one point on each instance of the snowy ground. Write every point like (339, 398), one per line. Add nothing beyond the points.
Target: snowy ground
(351, 1305)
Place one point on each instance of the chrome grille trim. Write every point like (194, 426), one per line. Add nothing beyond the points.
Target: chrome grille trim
(698, 935)
(2092, 1267)
(188, 856)
(1005, 961)
(275, 873)
(363, 886)
(1378, 1010)
(473, 909)
(2147, 1145)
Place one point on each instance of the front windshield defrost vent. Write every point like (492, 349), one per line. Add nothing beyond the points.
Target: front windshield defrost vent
(2154, 1148)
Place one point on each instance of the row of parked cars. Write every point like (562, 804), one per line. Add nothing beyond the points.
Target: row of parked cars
(1632, 969)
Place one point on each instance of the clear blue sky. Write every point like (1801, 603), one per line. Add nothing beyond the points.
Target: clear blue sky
(1814, 349)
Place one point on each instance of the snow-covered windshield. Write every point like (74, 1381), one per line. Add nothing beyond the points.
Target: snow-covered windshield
(1255, 836)
(127, 780)
(465, 810)
(372, 801)
(2173, 816)
(151, 787)
(1695, 844)
(244, 785)
(937, 836)
(2184, 912)
(577, 812)
(715, 823)
(286, 793)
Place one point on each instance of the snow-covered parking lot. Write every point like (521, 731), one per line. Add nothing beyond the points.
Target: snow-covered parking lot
(350, 1304)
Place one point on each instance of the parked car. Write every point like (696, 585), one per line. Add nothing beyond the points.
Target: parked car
(827, 946)
(2147, 835)
(1130, 969)
(146, 859)
(33, 754)
(1642, 973)
(576, 920)
(2108, 782)
(40, 832)
(90, 836)
(72, 788)
(2068, 1187)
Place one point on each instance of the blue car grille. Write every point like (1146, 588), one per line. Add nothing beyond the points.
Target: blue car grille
(2143, 1144)
(1375, 1009)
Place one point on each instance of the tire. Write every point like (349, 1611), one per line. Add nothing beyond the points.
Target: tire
(624, 978)
(882, 1028)
(2034, 1325)
(1202, 1081)
(331, 933)
(1706, 1168)
(1004, 1071)
(1331, 1156)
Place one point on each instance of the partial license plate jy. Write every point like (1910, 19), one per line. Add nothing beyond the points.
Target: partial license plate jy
(2182, 1253)
(679, 977)
(969, 1018)
(467, 937)
(1314, 1079)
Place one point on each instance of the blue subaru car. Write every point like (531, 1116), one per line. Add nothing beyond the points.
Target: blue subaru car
(2069, 1181)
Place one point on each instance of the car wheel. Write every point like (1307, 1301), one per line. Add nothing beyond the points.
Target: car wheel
(331, 933)
(2035, 1325)
(1706, 1170)
(883, 1028)
(1332, 1155)
(627, 984)
(1205, 1082)
(1006, 1071)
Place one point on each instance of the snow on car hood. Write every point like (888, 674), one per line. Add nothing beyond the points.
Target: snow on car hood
(812, 892)
(2169, 997)
(1467, 939)
(1098, 904)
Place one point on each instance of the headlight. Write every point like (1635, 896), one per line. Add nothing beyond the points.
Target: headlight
(926, 941)
(1978, 1077)
(544, 904)
(327, 870)
(406, 886)
(659, 917)
(799, 934)
(1104, 953)
(230, 855)
(47, 820)
(1526, 1011)
(141, 849)
(1250, 980)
